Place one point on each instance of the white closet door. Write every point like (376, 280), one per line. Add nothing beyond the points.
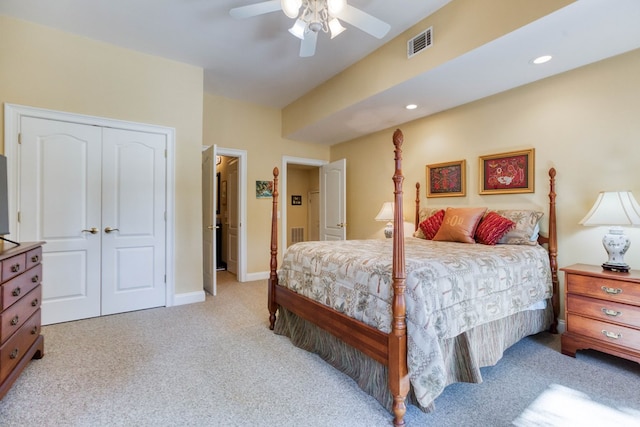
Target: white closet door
(59, 201)
(133, 220)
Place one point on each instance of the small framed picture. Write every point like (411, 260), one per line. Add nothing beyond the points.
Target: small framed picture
(511, 172)
(447, 179)
(296, 200)
(264, 189)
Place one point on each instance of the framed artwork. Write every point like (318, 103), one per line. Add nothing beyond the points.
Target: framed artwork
(507, 172)
(264, 189)
(223, 193)
(296, 200)
(447, 179)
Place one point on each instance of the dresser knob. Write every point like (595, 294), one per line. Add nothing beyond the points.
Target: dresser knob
(16, 292)
(35, 279)
(612, 335)
(34, 303)
(611, 291)
(610, 312)
(15, 268)
(34, 331)
(35, 258)
(14, 353)
(15, 320)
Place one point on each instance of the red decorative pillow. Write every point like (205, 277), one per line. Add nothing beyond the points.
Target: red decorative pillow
(492, 227)
(431, 225)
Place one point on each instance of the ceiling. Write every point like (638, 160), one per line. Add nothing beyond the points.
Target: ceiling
(251, 60)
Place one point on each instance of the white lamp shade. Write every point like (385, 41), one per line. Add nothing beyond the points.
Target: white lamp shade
(386, 212)
(335, 6)
(336, 27)
(291, 7)
(613, 208)
(298, 29)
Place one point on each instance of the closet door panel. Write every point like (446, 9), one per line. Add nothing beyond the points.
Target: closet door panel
(59, 202)
(133, 207)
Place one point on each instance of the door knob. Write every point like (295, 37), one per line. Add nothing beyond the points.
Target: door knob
(109, 229)
(209, 227)
(342, 224)
(93, 230)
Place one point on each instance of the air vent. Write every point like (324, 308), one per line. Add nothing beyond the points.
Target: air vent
(420, 42)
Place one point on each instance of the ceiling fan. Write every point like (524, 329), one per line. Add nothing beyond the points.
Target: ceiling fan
(314, 16)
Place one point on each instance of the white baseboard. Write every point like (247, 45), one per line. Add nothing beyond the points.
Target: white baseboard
(263, 275)
(189, 298)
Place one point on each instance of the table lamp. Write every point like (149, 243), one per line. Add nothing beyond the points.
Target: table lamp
(386, 214)
(615, 209)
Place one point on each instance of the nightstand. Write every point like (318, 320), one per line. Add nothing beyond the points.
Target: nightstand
(602, 311)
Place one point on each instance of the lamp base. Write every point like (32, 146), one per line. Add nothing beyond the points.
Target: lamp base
(616, 267)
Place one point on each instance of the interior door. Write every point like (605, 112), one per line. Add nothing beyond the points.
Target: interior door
(314, 216)
(133, 220)
(232, 219)
(60, 203)
(208, 220)
(333, 201)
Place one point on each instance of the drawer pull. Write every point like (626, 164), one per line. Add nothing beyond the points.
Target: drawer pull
(35, 279)
(610, 312)
(14, 353)
(34, 303)
(612, 291)
(15, 268)
(34, 331)
(35, 258)
(16, 292)
(15, 320)
(612, 335)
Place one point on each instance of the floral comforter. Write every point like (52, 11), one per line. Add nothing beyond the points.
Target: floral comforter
(451, 288)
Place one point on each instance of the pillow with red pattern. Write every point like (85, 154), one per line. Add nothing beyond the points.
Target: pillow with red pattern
(431, 225)
(492, 228)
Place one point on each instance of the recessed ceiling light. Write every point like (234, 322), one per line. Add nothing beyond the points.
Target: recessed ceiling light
(411, 107)
(542, 59)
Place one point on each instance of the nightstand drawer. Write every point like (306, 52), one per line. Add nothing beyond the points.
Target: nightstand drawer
(609, 289)
(607, 311)
(13, 350)
(13, 318)
(18, 287)
(603, 331)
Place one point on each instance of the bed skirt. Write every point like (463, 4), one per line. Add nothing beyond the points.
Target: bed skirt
(464, 355)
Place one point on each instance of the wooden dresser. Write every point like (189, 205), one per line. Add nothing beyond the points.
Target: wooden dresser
(602, 311)
(20, 297)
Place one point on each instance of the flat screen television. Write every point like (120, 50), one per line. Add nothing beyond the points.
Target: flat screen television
(4, 201)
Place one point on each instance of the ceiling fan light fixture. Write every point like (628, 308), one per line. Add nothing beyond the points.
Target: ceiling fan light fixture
(291, 7)
(298, 29)
(336, 28)
(335, 6)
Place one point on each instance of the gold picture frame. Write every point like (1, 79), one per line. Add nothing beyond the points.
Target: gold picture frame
(447, 179)
(504, 173)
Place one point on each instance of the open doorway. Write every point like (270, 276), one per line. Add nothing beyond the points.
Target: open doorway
(224, 215)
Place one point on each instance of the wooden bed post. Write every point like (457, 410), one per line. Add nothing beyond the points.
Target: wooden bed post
(553, 251)
(416, 218)
(273, 275)
(398, 371)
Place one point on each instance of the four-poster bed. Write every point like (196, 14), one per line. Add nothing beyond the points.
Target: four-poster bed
(364, 332)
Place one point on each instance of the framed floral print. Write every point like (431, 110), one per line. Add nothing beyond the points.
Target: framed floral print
(447, 179)
(511, 172)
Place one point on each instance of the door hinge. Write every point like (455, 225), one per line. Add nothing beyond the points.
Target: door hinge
(19, 138)
(165, 216)
(165, 278)
(165, 154)
(18, 216)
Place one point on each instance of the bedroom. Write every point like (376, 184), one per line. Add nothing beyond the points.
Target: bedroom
(582, 122)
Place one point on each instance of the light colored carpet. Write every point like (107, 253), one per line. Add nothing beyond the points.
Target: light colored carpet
(216, 363)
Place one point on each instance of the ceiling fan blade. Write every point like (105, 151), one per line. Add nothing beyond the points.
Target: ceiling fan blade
(308, 44)
(255, 9)
(362, 20)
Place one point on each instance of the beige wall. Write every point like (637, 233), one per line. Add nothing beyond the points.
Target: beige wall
(46, 68)
(238, 125)
(583, 122)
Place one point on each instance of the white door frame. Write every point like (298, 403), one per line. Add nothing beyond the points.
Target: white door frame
(286, 161)
(12, 117)
(242, 207)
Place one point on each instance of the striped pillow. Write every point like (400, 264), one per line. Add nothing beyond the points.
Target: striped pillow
(492, 228)
(431, 225)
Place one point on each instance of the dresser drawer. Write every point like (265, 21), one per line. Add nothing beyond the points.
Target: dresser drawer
(34, 256)
(603, 331)
(14, 317)
(15, 348)
(607, 311)
(18, 287)
(13, 266)
(609, 289)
